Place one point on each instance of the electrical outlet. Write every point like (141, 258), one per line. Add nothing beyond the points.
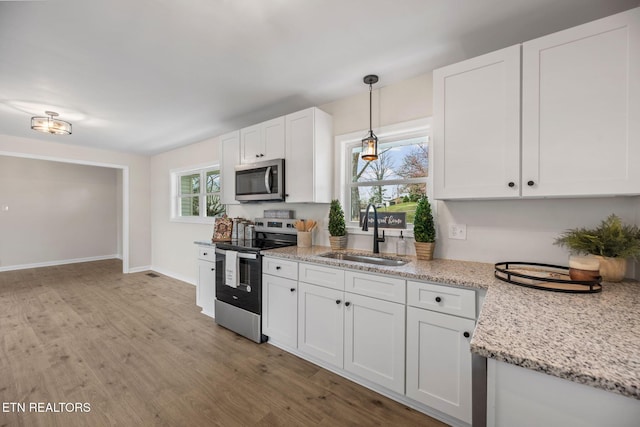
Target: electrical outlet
(458, 231)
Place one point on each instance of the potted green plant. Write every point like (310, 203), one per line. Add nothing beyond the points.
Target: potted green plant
(424, 230)
(612, 242)
(337, 228)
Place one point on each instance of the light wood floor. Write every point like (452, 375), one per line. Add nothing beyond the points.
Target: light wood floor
(137, 349)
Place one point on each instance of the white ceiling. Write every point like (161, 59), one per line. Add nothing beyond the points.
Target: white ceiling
(146, 76)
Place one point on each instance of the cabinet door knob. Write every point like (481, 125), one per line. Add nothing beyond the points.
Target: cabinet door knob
(466, 334)
(204, 253)
(293, 289)
(261, 155)
(438, 299)
(338, 301)
(213, 269)
(347, 303)
(257, 155)
(512, 184)
(278, 267)
(530, 183)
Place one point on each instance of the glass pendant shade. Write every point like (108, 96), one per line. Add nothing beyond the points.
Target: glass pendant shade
(370, 142)
(370, 147)
(50, 124)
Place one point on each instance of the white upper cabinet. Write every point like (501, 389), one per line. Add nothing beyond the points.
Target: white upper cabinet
(264, 141)
(309, 155)
(581, 110)
(477, 127)
(229, 159)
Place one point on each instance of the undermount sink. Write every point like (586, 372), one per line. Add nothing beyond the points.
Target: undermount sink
(367, 259)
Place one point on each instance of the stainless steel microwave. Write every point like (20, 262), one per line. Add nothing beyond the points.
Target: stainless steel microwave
(263, 181)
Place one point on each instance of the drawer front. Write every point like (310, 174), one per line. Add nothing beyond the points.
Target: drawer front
(280, 267)
(324, 276)
(207, 253)
(445, 299)
(371, 285)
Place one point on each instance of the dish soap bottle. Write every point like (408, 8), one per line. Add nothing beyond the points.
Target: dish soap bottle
(401, 245)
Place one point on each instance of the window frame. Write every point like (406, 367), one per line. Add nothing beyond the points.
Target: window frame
(395, 132)
(176, 195)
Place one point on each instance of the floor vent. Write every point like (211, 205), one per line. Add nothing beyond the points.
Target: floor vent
(153, 275)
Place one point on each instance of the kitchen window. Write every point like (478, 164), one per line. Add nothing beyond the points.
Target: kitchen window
(396, 180)
(196, 194)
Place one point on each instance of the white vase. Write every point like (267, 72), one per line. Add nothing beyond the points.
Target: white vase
(612, 269)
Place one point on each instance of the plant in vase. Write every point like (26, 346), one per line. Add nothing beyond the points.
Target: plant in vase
(337, 228)
(612, 242)
(424, 230)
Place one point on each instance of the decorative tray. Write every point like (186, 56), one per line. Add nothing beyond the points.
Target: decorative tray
(547, 277)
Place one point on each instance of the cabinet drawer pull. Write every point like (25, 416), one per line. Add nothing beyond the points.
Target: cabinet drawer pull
(466, 334)
(338, 301)
(293, 289)
(438, 299)
(530, 183)
(278, 267)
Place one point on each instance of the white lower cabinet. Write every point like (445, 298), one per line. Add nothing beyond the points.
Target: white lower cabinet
(374, 337)
(439, 361)
(321, 323)
(206, 286)
(280, 309)
(375, 328)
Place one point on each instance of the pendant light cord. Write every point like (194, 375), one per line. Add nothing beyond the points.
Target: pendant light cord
(370, 108)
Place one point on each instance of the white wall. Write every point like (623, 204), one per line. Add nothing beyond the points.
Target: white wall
(173, 250)
(138, 166)
(521, 230)
(56, 211)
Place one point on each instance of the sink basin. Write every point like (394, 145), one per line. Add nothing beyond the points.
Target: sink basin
(367, 259)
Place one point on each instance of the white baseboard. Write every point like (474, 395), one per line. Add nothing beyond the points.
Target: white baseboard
(173, 275)
(140, 269)
(57, 262)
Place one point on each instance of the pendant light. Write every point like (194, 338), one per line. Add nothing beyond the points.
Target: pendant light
(370, 142)
(51, 124)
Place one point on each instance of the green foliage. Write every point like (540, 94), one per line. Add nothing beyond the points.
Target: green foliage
(336, 219)
(610, 239)
(424, 229)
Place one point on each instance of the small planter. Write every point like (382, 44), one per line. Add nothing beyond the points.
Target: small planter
(338, 243)
(424, 250)
(612, 269)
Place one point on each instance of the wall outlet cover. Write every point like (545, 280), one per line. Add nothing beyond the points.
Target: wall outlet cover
(458, 231)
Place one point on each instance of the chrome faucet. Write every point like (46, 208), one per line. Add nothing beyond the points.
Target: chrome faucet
(365, 227)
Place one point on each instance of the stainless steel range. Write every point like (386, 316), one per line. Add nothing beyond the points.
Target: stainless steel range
(238, 303)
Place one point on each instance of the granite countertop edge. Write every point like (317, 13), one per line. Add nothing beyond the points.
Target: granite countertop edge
(531, 310)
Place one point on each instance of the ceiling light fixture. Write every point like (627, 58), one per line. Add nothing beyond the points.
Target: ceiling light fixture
(51, 124)
(370, 142)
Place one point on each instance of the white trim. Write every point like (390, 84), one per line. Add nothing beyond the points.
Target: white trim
(173, 275)
(174, 174)
(400, 130)
(57, 262)
(139, 269)
(125, 192)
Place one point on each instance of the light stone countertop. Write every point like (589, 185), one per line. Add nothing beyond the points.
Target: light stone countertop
(593, 339)
(204, 243)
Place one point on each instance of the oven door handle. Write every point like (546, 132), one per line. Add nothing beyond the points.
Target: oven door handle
(240, 254)
(267, 179)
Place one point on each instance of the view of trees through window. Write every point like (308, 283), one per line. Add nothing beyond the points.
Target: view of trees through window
(394, 182)
(191, 194)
